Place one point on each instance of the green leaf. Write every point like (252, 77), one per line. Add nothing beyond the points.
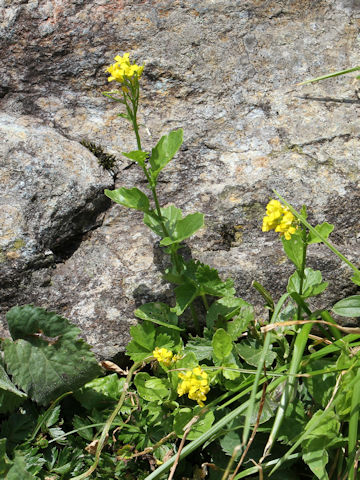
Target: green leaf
(312, 283)
(185, 294)
(170, 215)
(356, 279)
(183, 417)
(101, 392)
(294, 422)
(229, 441)
(231, 313)
(142, 343)
(324, 229)
(315, 444)
(164, 151)
(18, 470)
(294, 249)
(201, 347)
(184, 228)
(251, 351)
(160, 314)
(348, 307)
(10, 396)
(5, 462)
(222, 344)
(150, 388)
(48, 357)
(321, 386)
(137, 156)
(130, 197)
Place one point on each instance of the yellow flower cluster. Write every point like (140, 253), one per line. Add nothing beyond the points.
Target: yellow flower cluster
(164, 356)
(195, 383)
(123, 68)
(280, 219)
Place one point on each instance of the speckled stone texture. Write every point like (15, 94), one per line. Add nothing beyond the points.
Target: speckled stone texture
(225, 71)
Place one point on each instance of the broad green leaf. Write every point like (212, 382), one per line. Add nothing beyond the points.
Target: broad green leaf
(137, 156)
(229, 441)
(10, 396)
(101, 392)
(348, 307)
(314, 446)
(240, 323)
(226, 308)
(184, 228)
(312, 283)
(183, 417)
(142, 343)
(324, 229)
(47, 358)
(294, 422)
(356, 279)
(158, 313)
(164, 151)
(150, 388)
(18, 470)
(222, 344)
(185, 294)
(170, 215)
(251, 351)
(130, 197)
(201, 347)
(320, 387)
(294, 249)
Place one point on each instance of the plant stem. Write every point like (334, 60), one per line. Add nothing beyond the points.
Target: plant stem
(302, 269)
(108, 424)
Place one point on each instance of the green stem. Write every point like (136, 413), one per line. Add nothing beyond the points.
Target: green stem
(302, 270)
(195, 317)
(330, 75)
(108, 424)
(204, 299)
(317, 234)
(354, 424)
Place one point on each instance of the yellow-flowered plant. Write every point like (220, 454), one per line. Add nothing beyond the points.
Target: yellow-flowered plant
(163, 356)
(124, 69)
(280, 219)
(195, 383)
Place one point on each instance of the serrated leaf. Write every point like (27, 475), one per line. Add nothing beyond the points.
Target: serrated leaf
(184, 228)
(51, 358)
(183, 417)
(324, 229)
(143, 341)
(228, 443)
(348, 307)
(164, 151)
(226, 308)
(312, 283)
(158, 313)
(18, 470)
(185, 294)
(130, 197)
(294, 249)
(10, 396)
(222, 344)
(101, 392)
(137, 156)
(150, 388)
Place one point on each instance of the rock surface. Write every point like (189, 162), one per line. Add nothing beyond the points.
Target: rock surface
(225, 71)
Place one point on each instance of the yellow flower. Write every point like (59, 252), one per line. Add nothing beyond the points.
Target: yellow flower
(123, 68)
(195, 383)
(163, 355)
(280, 219)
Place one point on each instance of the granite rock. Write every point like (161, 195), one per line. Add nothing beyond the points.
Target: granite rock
(225, 71)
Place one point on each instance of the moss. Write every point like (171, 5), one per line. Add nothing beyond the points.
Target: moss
(18, 243)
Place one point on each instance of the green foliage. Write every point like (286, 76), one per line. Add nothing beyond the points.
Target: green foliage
(47, 357)
(231, 385)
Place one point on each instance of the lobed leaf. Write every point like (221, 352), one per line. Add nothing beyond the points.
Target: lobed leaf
(47, 358)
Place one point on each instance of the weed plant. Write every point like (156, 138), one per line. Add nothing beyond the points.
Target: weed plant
(239, 397)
